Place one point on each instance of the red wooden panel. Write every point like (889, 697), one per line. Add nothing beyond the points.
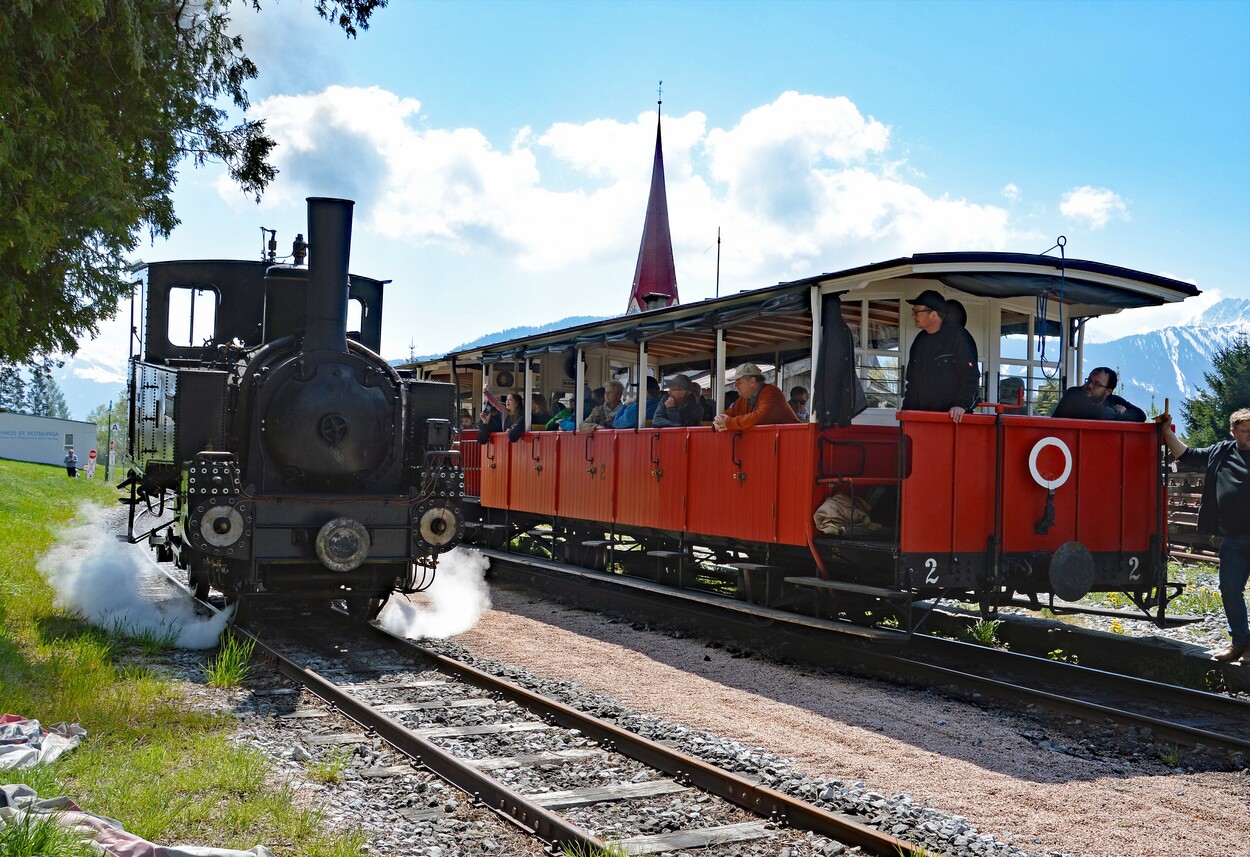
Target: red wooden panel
(869, 452)
(798, 494)
(1024, 501)
(495, 457)
(638, 500)
(534, 472)
(471, 464)
(587, 470)
(1109, 501)
(1144, 500)
(718, 501)
(948, 493)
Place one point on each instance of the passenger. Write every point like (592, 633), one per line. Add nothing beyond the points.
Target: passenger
(680, 407)
(1225, 511)
(709, 408)
(938, 376)
(627, 417)
(757, 404)
(602, 415)
(538, 411)
(1094, 400)
(957, 315)
(513, 423)
(71, 464)
(466, 420)
(798, 403)
(564, 414)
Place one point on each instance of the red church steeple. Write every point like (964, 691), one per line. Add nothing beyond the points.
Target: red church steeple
(655, 277)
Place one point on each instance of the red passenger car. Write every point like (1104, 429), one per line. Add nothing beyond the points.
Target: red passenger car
(1007, 506)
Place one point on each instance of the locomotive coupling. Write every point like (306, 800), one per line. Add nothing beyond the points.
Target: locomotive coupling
(342, 544)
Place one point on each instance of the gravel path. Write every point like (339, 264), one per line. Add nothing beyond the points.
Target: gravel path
(1044, 787)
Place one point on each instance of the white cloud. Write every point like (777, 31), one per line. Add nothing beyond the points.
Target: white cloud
(1011, 192)
(1093, 206)
(801, 185)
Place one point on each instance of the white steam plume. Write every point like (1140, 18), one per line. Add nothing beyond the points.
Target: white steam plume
(452, 605)
(100, 577)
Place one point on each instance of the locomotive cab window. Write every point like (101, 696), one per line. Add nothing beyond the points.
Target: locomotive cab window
(192, 316)
(356, 314)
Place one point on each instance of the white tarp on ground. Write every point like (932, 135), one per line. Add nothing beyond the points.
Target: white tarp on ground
(24, 742)
(19, 803)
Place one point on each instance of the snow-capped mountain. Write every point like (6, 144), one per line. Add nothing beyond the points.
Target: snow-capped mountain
(1170, 363)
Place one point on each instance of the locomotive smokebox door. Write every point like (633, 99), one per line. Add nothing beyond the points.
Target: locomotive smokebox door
(1072, 571)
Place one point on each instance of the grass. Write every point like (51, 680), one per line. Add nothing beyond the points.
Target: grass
(1169, 754)
(1061, 655)
(169, 772)
(612, 849)
(230, 668)
(983, 632)
(330, 767)
(34, 836)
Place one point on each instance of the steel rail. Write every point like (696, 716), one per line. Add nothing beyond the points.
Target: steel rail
(799, 632)
(761, 800)
(492, 794)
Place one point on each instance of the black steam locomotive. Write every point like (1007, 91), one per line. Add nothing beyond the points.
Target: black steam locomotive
(294, 459)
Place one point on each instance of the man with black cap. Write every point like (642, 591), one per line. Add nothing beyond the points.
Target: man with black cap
(680, 407)
(941, 370)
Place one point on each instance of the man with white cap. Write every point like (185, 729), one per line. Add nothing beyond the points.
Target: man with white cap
(758, 404)
(941, 372)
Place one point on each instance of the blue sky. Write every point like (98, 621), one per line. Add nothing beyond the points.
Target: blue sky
(500, 152)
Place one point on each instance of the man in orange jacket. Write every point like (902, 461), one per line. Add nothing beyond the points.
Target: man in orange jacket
(758, 404)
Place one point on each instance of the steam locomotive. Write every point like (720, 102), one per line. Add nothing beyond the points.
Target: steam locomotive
(295, 461)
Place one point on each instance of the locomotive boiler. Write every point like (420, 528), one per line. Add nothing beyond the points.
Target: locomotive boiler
(291, 458)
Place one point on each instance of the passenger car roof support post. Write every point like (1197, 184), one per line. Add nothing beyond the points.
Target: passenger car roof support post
(642, 384)
(812, 379)
(718, 371)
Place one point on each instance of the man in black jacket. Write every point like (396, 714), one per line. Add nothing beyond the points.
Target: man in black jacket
(1094, 400)
(681, 407)
(941, 370)
(1225, 511)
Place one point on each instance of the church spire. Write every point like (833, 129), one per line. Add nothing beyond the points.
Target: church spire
(655, 276)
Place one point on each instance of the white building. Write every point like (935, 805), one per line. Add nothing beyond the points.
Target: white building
(45, 440)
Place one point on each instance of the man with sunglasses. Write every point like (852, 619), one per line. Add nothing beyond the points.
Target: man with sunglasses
(1094, 400)
(941, 369)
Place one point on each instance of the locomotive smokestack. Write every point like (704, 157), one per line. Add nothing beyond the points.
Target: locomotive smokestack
(330, 243)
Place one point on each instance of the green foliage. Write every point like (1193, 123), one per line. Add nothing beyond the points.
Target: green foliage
(1061, 655)
(1227, 389)
(102, 99)
(39, 395)
(329, 766)
(982, 632)
(611, 849)
(230, 667)
(32, 836)
(1169, 754)
(183, 778)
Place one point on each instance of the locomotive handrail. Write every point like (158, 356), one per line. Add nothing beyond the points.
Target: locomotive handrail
(651, 451)
(734, 455)
(588, 452)
(534, 441)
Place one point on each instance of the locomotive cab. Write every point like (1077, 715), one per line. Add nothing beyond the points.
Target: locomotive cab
(296, 460)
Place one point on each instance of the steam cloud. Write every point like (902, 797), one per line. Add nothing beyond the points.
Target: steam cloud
(99, 577)
(452, 605)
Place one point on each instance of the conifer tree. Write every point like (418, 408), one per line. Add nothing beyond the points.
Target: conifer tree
(1228, 389)
(100, 101)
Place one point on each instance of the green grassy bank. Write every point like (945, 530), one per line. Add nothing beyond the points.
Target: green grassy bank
(169, 773)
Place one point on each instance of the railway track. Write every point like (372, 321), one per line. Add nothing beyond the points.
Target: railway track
(556, 772)
(1183, 716)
